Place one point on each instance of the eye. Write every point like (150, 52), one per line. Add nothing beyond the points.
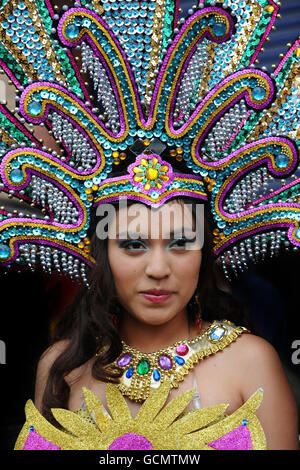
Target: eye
(133, 245)
(181, 243)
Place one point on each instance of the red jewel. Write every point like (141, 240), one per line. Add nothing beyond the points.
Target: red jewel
(182, 349)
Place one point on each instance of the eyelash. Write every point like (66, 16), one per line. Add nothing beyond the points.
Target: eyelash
(127, 243)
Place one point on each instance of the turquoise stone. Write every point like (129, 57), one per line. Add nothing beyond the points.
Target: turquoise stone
(217, 333)
(258, 93)
(4, 251)
(34, 108)
(72, 31)
(16, 176)
(282, 160)
(298, 233)
(219, 29)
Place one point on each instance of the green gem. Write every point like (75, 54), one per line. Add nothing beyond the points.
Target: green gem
(143, 367)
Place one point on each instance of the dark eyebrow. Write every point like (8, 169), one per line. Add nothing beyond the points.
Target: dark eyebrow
(145, 237)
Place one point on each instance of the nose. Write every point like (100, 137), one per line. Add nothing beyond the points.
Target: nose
(158, 263)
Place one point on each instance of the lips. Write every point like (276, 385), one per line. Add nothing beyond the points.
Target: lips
(156, 295)
(157, 292)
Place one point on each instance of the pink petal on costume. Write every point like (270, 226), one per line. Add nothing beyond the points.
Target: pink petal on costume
(238, 439)
(131, 441)
(36, 442)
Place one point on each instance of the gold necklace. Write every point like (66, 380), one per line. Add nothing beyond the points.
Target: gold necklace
(144, 372)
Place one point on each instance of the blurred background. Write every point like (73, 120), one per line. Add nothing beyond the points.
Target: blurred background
(32, 302)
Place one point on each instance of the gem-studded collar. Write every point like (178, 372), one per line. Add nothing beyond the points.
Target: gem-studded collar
(144, 372)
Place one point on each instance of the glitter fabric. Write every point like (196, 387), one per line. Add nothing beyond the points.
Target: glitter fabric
(36, 442)
(157, 425)
(131, 441)
(238, 439)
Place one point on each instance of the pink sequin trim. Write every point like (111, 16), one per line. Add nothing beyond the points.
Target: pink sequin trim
(238, 439)
(36, 442)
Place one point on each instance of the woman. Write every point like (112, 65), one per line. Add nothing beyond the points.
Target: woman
(126, 269)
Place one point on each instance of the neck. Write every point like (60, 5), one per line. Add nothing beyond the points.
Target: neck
(149, 338)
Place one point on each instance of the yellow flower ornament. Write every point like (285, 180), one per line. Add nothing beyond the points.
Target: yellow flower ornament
(155, 427)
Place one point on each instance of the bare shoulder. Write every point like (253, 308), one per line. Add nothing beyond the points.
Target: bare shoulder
(257, 361)
(249, 348)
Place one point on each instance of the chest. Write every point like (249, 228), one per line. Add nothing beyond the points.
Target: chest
(214, 382)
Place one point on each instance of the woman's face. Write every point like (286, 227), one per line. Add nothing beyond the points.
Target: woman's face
(149, 250)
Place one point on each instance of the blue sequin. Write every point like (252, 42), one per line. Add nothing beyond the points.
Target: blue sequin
(244, 422)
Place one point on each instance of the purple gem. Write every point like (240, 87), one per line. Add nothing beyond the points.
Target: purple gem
(165, 362)
(125, 360)
(182, 349)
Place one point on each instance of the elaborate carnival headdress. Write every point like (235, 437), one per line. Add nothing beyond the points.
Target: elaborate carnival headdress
(179, 107)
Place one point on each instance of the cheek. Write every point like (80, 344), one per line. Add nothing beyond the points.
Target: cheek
(190, 267)
(124, 271)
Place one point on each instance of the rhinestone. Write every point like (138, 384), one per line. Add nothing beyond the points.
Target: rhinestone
(129, 373)
(16, 176)
(4, 251)
(219, 29)
(179, 360)
(143, 367)
(34, 108)
(72, 31)
(156, 375)
(182, 349)
(258, 93)
(217, 334)
(282, 160)
(165, 362)
(125, 360)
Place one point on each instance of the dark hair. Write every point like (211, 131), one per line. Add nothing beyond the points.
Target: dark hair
(89, 325)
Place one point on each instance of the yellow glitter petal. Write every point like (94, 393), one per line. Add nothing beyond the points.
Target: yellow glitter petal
(154, 403)
(147, 186)
(198, 419)
(173, 409)
(75, 424)
(117, 405)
